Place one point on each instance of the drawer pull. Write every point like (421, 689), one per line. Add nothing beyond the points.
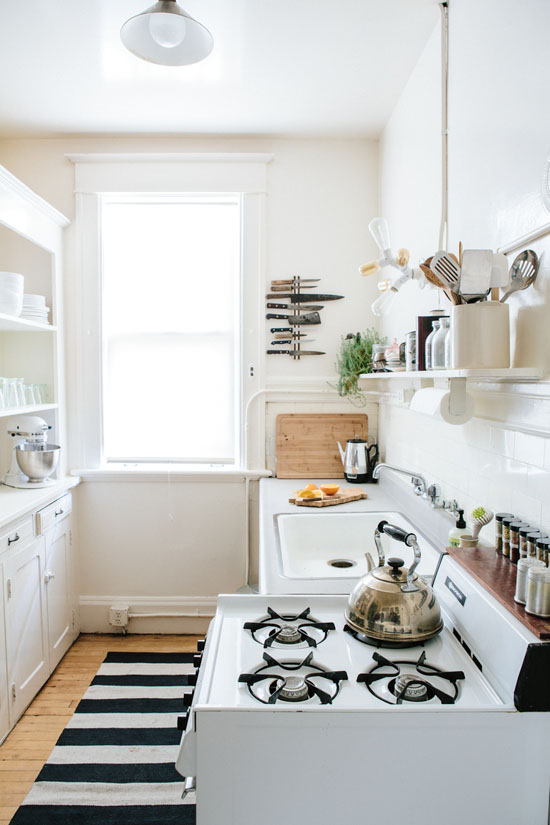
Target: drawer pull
(59, 512)
(48, 576)
(14, 539)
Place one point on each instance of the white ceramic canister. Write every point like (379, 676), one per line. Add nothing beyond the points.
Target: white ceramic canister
(480, 335)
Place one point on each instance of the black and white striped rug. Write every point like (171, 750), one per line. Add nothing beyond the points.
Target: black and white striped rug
(114, 762)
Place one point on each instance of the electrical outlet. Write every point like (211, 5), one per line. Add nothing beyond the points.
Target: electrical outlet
(118, 615)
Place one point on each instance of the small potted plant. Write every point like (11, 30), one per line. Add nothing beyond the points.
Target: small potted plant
(354, 358)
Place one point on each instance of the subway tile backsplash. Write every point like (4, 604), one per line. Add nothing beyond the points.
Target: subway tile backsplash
(479, 463)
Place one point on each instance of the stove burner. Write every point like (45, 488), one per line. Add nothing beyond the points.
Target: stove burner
(368, 640)
(295, 689)
(276, 630)
(289, 634)
(298, 681)
(410, 686)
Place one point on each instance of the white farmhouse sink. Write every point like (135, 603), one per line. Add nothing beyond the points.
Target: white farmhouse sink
(332, 546)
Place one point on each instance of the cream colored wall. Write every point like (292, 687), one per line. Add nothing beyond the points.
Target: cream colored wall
(498, 145)
(170, 540)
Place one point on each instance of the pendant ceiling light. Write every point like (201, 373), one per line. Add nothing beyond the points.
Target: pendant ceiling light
(166, 34)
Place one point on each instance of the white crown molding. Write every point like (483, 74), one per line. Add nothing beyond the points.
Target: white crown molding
(18, 188)
(170, 157)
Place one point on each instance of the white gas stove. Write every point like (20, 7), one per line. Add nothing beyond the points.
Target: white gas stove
(292, 707)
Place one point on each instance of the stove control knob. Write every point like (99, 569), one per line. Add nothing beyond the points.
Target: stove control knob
(200, 644)
(182, 722)
(188, 699)
(197, 659)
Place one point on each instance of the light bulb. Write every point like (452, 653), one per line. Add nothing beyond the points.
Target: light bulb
(167, 29)
(380, 231)
(383, 302)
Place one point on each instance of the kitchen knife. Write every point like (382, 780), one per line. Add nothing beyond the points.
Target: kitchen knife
(286, 287)
(299, 352)
(297, 320)
(307, 308)
(299, 299)
(297, 280)
(287, 333)
(278, 342)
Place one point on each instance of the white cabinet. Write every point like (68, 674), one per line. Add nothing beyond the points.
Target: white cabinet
(26, 623)
(55, 523)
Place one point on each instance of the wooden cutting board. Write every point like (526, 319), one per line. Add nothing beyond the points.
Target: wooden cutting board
(306, 443)
(341, 497)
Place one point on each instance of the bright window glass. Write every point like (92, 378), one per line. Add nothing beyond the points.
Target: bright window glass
(171, 275)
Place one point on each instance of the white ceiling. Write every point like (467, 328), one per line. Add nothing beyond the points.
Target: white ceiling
(296, 67)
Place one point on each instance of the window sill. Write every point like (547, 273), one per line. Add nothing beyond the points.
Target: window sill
(169, 473)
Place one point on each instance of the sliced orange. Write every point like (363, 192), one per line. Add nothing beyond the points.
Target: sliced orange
(310, 487)
(330, 489)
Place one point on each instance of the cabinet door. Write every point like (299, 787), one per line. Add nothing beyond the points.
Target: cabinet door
(4, 705)
(26, 625)
(58, 589)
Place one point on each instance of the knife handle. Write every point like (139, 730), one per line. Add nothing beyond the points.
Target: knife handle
(279, 342)
(273, 315)
(279, 306)
(281, 329)
(281, 352)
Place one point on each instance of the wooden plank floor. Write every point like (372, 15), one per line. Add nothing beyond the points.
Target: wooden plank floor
(30, 743)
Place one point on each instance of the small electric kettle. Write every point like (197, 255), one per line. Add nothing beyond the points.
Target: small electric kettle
(359, 460)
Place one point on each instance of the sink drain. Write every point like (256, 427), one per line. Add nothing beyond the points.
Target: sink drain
(341, 563)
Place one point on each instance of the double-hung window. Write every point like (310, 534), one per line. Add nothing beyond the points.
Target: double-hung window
(169, 287)
(170, 328)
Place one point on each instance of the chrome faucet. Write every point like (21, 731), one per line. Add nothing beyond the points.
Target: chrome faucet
(420, 486)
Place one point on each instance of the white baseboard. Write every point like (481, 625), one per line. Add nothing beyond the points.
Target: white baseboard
(94, 613)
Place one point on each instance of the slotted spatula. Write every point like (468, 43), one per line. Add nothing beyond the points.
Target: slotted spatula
(446, 268)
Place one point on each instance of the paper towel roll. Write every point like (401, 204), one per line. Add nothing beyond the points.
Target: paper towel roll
(436, 402)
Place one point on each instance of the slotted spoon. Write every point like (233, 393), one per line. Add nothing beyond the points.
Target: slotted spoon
(522, 273)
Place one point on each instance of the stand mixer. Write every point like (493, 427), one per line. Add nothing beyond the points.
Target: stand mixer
(33, 459)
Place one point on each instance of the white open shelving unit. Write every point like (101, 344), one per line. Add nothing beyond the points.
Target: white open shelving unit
(31, 242)
(457, 380)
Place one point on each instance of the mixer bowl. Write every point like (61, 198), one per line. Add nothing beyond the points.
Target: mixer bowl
(37, 461)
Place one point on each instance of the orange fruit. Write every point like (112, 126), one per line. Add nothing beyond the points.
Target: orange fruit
(310, 487)
(330, 489)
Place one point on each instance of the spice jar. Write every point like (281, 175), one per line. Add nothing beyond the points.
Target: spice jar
(538, 591)
(543, 546)
(498, 530)
(521, 579)
(523, 532)
(532, 539)
(515, 527)
(506, 522)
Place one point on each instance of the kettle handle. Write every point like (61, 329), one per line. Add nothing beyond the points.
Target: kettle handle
(407, 538)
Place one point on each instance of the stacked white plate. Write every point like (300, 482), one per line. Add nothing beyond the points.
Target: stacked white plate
(11, 293)
(35, 309)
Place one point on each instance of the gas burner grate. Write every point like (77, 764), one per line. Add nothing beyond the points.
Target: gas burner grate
(280, 631)
(368, 640)
(404, 680)
(287, 681)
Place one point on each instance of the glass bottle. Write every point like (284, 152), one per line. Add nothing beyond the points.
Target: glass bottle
(429, 341)
(438, 345)
(449, 349)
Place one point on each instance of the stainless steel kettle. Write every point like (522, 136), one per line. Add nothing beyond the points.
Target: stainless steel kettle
(359, 460)
(391, 603)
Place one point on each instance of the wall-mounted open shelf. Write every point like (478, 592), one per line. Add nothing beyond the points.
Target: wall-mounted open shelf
(10, 323)
(511, 374)
(31, 409)
(457, 380)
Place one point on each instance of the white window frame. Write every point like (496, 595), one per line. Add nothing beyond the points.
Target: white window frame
(99, 175)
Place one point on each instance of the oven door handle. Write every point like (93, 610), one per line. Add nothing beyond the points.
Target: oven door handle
(190, 785)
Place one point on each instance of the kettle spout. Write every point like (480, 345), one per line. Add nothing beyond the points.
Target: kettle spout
(370, 562)
(342, 453)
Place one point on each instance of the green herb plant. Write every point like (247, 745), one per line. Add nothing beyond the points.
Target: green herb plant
(355, 357)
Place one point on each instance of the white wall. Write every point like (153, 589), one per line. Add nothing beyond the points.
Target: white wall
(498, 146)
(175, 542)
